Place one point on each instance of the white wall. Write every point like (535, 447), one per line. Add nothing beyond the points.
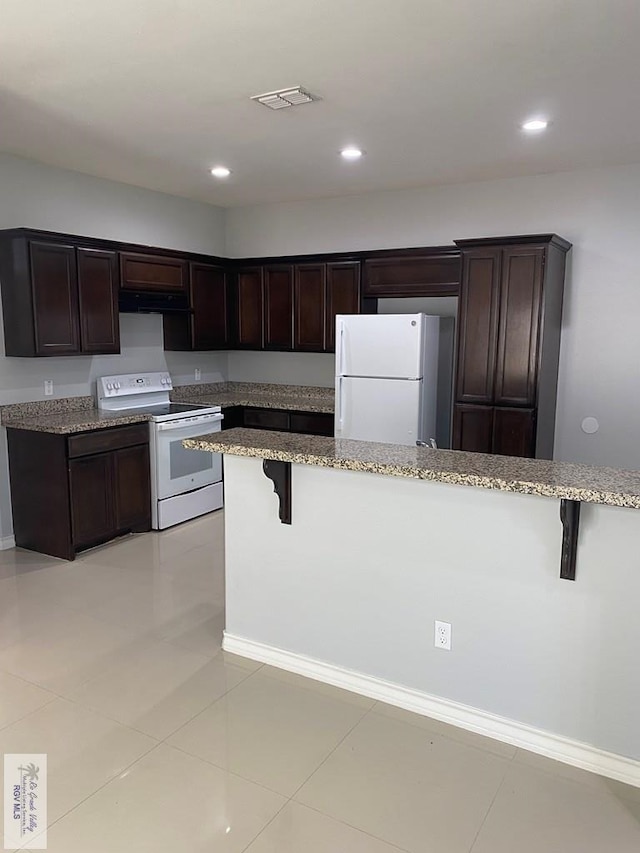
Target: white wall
(550, 654)
(287, 368)
(38, 196)
(33, 195)
(597, 210)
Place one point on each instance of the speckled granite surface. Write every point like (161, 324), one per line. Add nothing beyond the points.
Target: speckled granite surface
(39, 408)
(67, 423)
(505, 473)
(66, 415)
(298, 398)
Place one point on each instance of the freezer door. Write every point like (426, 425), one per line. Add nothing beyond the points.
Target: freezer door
(387, 410)
(387, 346)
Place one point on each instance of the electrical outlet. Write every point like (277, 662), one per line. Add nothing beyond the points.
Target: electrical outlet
(48, 387)
(442, 636)
(198, 374)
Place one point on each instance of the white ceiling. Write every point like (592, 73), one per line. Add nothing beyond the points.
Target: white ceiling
(155, 92)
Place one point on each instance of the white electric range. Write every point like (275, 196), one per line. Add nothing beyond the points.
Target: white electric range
(184, 483)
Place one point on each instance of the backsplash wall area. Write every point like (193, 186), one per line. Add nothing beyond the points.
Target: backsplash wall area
(286, 368)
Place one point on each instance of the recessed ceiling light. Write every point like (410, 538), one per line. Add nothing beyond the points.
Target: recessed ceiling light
(220, 172)
(535, 124)
(351, 153)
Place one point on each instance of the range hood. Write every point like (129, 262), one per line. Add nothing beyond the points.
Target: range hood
(141, 302)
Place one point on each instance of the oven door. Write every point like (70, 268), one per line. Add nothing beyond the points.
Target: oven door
(179, 470)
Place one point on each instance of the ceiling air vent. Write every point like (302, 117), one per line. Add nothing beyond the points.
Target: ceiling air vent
(282, 98)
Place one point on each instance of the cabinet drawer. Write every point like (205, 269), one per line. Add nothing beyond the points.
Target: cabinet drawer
(413, 274)
(153, 273)
(103, 440)
(312, 423)
(266, 419)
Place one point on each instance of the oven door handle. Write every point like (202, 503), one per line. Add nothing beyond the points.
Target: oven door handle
(190, 424)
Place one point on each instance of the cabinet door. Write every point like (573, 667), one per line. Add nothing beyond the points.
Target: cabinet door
(98, 301)
(91, 486)
(514, 432)
(55, 298)
(278, 308)
(478, 325)
(209, 304)
(132, 489)
(153, 272)
(343, 295)
(310, 307)
(473, 428)
(520, 294)
(312, 423)
(250, 306)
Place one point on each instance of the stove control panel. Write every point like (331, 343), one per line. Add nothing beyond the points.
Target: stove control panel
(129, 384)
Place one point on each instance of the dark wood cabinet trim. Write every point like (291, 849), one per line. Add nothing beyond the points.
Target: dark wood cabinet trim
(541, 240)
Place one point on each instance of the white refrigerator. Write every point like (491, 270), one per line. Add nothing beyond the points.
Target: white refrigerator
(386, 377)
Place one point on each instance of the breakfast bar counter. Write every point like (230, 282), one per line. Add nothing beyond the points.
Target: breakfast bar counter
(381, 541)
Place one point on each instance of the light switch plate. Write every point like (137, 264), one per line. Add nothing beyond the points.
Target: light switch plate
(48, 387)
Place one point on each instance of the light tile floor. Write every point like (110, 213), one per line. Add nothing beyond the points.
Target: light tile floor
(158, 741)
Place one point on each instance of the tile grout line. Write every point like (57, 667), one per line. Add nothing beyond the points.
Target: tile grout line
(488, 812)
(104, 784)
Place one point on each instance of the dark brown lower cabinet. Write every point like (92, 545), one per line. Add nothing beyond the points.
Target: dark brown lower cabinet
(91, 491)
(514, 432)
(473, 428)
(131, 487)
(309, 423)
(494, 429)
(72, 492)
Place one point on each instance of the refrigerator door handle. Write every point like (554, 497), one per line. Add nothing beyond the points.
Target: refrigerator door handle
(341, 366)
(340, 404)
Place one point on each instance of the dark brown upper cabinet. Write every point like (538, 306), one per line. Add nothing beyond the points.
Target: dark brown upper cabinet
(509, 320)
(278, 307)
(412, 272)
(310, 307)
(58, 298)
(154, 273)
(98, 301)
(207, 326)
(343, 295)
(478, 325)
(54, 282)
(249, 308)
(520, 295)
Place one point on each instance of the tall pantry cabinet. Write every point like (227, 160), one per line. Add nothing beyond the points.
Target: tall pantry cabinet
(509, 321)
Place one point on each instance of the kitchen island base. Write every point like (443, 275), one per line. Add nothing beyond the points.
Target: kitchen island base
(349, 591)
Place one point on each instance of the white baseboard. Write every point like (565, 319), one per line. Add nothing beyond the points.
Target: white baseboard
(7, 542)
(517, 734)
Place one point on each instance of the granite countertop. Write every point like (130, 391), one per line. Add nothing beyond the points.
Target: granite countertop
(68, 415)
(505, 473)
(67, 423)
(261, 397)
